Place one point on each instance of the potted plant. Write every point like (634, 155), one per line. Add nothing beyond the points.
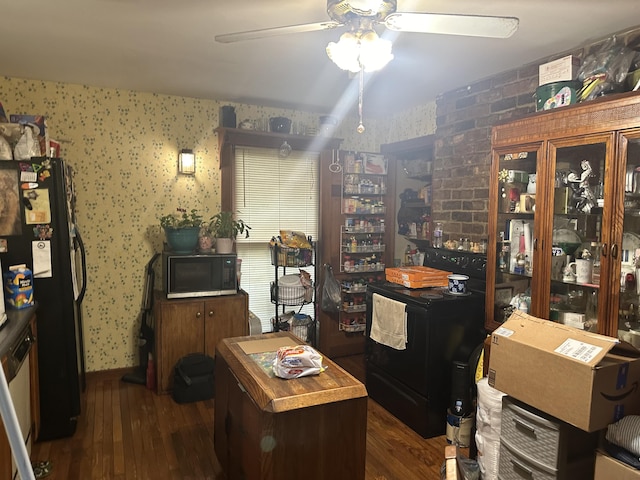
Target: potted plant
(182, 229)
(225, 229)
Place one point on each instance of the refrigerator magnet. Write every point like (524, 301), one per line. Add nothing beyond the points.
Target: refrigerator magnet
(43, 232)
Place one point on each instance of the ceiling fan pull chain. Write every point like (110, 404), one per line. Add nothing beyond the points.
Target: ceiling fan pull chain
(360, 128)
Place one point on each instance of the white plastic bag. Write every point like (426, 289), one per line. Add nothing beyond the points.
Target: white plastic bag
(28, 145)
(296, 362)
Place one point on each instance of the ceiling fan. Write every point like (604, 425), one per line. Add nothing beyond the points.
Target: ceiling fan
(360, 49)
(364, 14)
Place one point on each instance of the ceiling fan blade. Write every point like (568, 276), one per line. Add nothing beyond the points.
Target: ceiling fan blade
(451, 24)
(272, 32)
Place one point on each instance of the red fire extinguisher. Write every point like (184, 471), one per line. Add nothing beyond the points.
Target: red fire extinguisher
(151, 373)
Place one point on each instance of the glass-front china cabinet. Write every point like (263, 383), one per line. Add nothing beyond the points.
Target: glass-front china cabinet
(564, 217)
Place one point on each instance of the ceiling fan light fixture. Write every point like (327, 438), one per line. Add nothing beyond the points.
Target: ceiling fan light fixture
(345, 52)
(363, 50)
(375, 52)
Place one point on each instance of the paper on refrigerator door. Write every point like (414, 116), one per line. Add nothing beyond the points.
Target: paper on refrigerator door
(37, 206)
(41, 253)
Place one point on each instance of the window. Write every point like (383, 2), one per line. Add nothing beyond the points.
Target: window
(270, 194)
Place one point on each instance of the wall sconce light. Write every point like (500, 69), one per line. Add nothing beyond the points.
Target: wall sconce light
(186, 162)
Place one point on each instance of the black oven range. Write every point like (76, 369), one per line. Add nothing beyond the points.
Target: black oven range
(414, 384)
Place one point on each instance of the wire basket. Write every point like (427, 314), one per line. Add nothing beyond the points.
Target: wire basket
(291, 257)
(298, 295)
(302, 327)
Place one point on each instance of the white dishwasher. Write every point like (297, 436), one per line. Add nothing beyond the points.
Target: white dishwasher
(19, 380)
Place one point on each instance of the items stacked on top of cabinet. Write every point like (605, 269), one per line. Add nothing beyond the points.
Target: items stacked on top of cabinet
(362, 239)
(294, 250)
(567, 251)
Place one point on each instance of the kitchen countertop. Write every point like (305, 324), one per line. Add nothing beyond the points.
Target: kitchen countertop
(16, 321)
(272, 394)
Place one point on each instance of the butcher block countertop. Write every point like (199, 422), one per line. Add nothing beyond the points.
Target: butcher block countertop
(274, 394)
(270, 428)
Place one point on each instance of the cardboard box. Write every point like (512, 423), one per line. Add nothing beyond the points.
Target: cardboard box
(608, 468)
(561, 70)
(418, 274)
(572, 319)
(582, 378)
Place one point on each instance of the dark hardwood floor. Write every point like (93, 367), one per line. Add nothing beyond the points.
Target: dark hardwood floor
(128, 432)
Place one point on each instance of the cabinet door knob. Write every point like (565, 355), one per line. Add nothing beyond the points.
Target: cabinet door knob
(614, 251)
(198, 315)
(604, 250)
(211, 313)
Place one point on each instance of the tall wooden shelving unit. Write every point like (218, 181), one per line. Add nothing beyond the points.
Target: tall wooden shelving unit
(337, 337)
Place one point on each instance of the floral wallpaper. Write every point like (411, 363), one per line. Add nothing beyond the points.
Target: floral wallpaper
(123, 147)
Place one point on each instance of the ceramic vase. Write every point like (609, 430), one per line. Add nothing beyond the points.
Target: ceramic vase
(224, 245)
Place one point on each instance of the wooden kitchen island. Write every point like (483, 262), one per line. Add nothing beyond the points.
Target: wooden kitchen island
(268, 428)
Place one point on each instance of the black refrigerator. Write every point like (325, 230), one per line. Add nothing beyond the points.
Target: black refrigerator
(38, 229)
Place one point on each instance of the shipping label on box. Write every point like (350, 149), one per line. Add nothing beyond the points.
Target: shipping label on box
(561, 70)
(582, 378)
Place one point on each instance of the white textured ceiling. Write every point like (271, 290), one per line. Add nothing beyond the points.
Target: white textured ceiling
(167, 47)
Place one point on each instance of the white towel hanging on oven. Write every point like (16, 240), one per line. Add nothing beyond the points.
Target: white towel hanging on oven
(389, 322)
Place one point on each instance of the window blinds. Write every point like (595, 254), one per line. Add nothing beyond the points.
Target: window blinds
(270, 194)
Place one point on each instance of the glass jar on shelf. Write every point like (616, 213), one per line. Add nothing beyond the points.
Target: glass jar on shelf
(437, 235)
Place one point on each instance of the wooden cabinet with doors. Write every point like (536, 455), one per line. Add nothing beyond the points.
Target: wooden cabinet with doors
(187, 326)
(564, 217)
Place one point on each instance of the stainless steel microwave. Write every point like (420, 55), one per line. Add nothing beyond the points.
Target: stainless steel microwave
(199, 275)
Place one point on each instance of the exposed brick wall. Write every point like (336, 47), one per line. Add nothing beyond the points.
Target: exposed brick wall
(464, 118)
